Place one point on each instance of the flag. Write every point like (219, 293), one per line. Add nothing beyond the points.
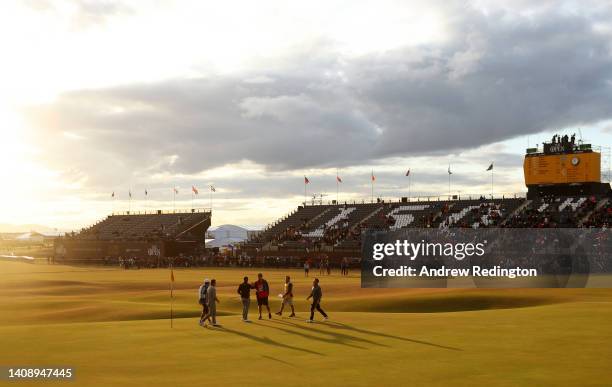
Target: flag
(306, 181)
(171, 275)
(175, 190)
(146, 192)
(130, 193)
(213, 189)
(408, 172)
(113, 195)
(373, 177)
(194, 190)
(338, 179)
(449, 171)
(490, 167)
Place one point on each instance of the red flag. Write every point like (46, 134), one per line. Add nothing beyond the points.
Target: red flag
(408, 173)
(306, 181)
(338, 179)
(175, 190)
(194, 190)
(373, 177)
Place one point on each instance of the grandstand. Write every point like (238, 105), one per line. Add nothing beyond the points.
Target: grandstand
(338, 228)
(136, 236)
(565, 189)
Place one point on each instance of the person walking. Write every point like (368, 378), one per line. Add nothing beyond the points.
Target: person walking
(344, 266)
(202, 299)
(316, 294)
(244, 289)
(287, 297)
(262, 291)
(212, 300)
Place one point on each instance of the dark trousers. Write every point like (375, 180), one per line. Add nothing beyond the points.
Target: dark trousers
(317, 306)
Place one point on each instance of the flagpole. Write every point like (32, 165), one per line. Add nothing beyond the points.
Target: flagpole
(130, 203)
(174, 199)
(304, 191)
(449, 182)
(337, 186)
(372, 183)
(492, 182)
(409, 191)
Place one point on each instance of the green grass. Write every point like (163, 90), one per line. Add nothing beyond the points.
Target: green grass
(112, 325)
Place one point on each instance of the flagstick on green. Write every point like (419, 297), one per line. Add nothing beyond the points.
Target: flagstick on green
(171, 296)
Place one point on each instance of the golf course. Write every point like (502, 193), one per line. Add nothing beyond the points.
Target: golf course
(113, 327)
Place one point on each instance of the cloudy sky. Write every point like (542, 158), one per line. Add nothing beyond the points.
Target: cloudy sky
(111, 96)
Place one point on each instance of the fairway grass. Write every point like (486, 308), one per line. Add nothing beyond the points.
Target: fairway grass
(112, 325)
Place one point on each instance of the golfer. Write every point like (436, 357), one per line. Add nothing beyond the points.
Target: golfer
(287, 297)
(262, 290)
(202, 299)
(244, 289)
(212, 300)
(316, 294)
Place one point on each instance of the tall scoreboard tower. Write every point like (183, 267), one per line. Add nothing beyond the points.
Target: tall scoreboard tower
(563, 168)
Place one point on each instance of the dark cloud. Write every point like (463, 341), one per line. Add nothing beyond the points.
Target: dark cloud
(500, 76)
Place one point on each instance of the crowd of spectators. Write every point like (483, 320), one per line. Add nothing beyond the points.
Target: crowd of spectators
(547, 213)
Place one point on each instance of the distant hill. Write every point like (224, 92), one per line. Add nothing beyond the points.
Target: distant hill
(17, 228)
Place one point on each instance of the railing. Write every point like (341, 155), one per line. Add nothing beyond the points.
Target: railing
(163, 212)
(426, 198)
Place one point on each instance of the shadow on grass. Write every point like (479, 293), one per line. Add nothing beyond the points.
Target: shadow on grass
(266, 340)
(338, 339)
(278, 360)
(338, 325)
